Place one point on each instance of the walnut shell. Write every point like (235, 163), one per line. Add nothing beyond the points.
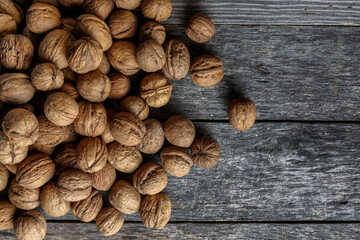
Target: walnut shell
(100, 8)
(16, 88)
(94, 86)
(87, 209)
(206, 71)
(65, 158)
(109, 221)
(200, 28)
(179, 131)
(124, 197)
(52, 203)
(11, 8)
(92, 119)
(242, 114)
(91, 154)
(74, 185)
(4, 177)
(47, 77)
(155, 210)
(177, 63)
(122, 24)
(50, 134)
(158, 10)
(34, 38)
(72, 4)
(11, 168)
(68, 24)
(21, 126)
(150, 56)
(176, 161)
(205, 152)
(69, 75)
(54, 3)
(39, 148)
(104, 179)
(61, 109)
(123, 158)
(104, 66)
(23, 198)
(16, 52)
(42, 17)
(135, 105)
(150, 179)
(127, 4)
(127, 129)
(30, 225)
(120, 86)
(69, 89)
(152, 31)
(106, 135)
(154, 137)
(155, 90)
(122, 57)
(7, 25)
(7, 215)
(72, 136)
(10, 153)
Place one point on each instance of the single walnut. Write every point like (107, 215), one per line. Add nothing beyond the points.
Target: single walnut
(179, 131)
(127, 129)
(242, 114)
(74, 185)
(155, 210)
(42, 17)
(91, 154)
(91, 26)
(176, 161)
(16, 52)
(104, 179)
(50, 134)
(23, 198)
(124, 197)
(87, 209)
(104, 66)
(69, 89)
(61, 109)
(54, 3)
(11, 168)
(4, 177)
(100, 8)
(85, 55)
(109, 221)
(21, 127)
(54, 46)
(120, 86)
(150, 179)
(155, 90)
(65, 158)
(206, 71)
(68, 24)
(30, 225)
(122, 57)
(94, 86)
(127, 4)
(11, 8)
(177, 60)
(47, 77)
(106, 135)
(123, 158)
(150, 56)
(205, 152)
(7, 215)
(72, 4)
(72, 136)
(135, 105)
(69, 75)
(154, 137)
(7, 25)
(200, 28)
(158, 10)
(10, 153)
(122, 24)
(52, 203)
(39, 148)
(152, 31)
(16, 88)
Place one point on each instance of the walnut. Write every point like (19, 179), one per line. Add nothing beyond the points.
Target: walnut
(61, 109)
(127, 129)
(42, 17)
(152, 31)
(10, 153)
(158, 10)
(104, 66)
(52, 203)
(91, 154)
(155, 210)
(179, 131)
(206, 71)
(123, 158)
(72, 136)
(122, 24)
(150, 179)
(176, 161)
(92, 119)
(7, 25)
(39, 148)
(122, 57)
(200, 28)
(177, 60)
(16, 88)
(16, 52)
(135, 105)
(69, 75)
(68, 24)
(94, 86)
(150, 56)
(65, 158)
(242, 114)
(27, 106)
(4, 177)
(100, 8)
(54, 3)
(11, 8)
(87, 209)
(23, 198)
(155, 90)
(120, 86)
(34, 38)
(74, 185)
(109, 221)
(72, 4)
(11, 168)
(7, 215)
(154, 137)
(69, 89)
(47, 77)
(106, 135)
(124, 197)
(30, 225)
(205, 152)
(50, 134)
(127, 4)
(104, 179)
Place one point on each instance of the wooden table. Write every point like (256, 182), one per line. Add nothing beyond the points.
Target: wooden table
(296, 173)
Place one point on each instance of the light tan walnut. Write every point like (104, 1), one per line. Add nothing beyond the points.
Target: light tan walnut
(124, 197)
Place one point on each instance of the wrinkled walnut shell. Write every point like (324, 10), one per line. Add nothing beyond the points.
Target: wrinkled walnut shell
(10, 153)
(23, 198)
(179, 131)
(205, 152)
(120, 86)
(109, 221)
(122, 57)
(38, 148)
(100, 8)
(91, 154)
(69, 89)
(152, 31)
(150, 56)
(177, 63)
(7, 25)
(74, 185)
(127, 4)
(7, 215)
(154, 137)
(47, 77)
(71, 4)
(52, 203)
(104, 66)
(16, 88)
(124, 197)
(123, 158)
(87, 209)
(242, 114)
(155, 211)
(200, 28)
(159, 10)
(4, 178)
(65, 158)
(150, 179)
(106, 135)
(94, 86)
(42, 17)
(206, 71)
(11, 8)
(69, 75)
(50, 134)
(54, 3)
(61, 109)
(135, 105)
(30, 225)
(68, 24)
(176, 161)
(122, 24)
(155, 90)
(104, 179)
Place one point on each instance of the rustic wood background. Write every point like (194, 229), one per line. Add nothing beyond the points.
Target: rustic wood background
(296, 173)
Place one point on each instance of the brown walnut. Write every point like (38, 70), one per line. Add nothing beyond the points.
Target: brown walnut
(91, 154)
(179, 131)
(100, 8)
(72, 4)
(9, 152)
(152, 31)
(150, 56)
(242, 114)
(34, 38)
(16, 88)
(38, 148)
(69, 75)
(206, 71)
(7, 215)
(54, 3)
(30, 225)
(123, 158)
(11, 8)
(135, 105)
(74, 185)
(158, 10)
(68, 24)
(177, 60)
(154, 137)
(176, 161)
(156, 90)
(42, 17)
(106, 135)
(61, 109)
(124, 197)
(4, 177)
(104, 179)
(94, 86)
(87, 209)
(122, 57)
(120, 86)
(104, 66)
(69, 89)
(200, 28)
(109, 221)
(127, 4)
(23, 198)
(47, 77)
(150, 179)
(65, 158)
(155, 210)
(50, 134)
(52, 203)
(7, 25)
(205, 152)
(122, 24)
(11, 168)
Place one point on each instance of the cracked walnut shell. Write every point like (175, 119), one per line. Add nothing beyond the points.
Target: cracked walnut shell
(177, 63)
(61, 109)
(150, 56)
(42, 17)
(91, 154)
(87, 209)
(47, 77)
(152, 31)
(23, 198)
(16, 88)
(122, 57)
(156, 90)
(9, 152)
(135, 105)
(30, 225)
(7, 215)
(200, 28)
(155, 210)
(124, 197)
(205, 152)
(105, 178)
(176, 161)
(154, 137)
(159, 10)
(206, 71)
(123, 158)
(109, 221)
(242, 114)
(94, 86)
(150, 179)
(52, 203)
(179, 131)
(74, 185)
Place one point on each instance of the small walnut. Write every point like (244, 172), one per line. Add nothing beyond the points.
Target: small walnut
(16, 52)
(92, 119)
(54, 3)
(206, 71)
(68, 24)
(150, 179)
(7, 215)
(7, 25)
(91, 154)
(47, 77)
(74, 185)
(52, 203)
(154, 137)
(106, 135)
(200, 28)
(104, 66)
(4, 177)
(39, 148)
(158, 10)
(123, 158)
(72, 4)
(109, 221)
(124, 197)
(87, 209)
(120, 86)
(30, 225)
(127, 4)
(122, 24)
(94, 86)
(16, 88)
(65, 158)
(23, 198)
(11, 168)
(152, 31)
(135, 105)
(205, 152)
(177, 60)
(10, 153)
(61, 109)
(155, 90)
(176, 161)
(127, 129)
(122, 57)
(100, 8)
(21, 126)
(69, 75)
(11, 8)
(150, 56)
(242, 114)
(69, 89)
(179, 131)
(50, 134)
(42, 17)
(104, 179)
(155, 210)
